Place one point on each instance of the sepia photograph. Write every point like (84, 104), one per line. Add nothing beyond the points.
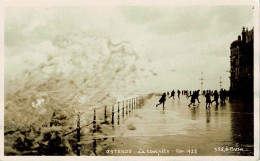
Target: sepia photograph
(130, 80)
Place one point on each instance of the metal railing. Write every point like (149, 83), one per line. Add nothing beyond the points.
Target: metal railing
(127, 106)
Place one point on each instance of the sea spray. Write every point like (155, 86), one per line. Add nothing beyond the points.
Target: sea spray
(75, 75)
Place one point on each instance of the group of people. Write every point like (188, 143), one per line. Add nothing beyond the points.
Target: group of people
(223, 94)
(173, 93)
(194, 96)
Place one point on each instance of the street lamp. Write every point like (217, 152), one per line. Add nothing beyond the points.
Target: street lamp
(220, 82)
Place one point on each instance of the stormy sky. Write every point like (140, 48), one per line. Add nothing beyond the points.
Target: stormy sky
(177, 42)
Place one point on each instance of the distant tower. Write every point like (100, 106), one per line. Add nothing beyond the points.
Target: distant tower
(201, 81)
(220, 82)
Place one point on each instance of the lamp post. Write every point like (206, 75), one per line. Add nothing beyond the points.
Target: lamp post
(220, 82)
(201, 81)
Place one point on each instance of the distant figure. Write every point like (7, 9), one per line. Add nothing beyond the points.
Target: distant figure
(190, 92)
(179, 92)
(167, 93)
(162, 100)
(225, 95)
(192, 100)
(221, 93)
(197, 95)
(208, 100)
(172, 94)
(187, 94)
(215, 95)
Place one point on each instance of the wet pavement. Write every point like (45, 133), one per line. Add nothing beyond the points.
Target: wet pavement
(178, 130)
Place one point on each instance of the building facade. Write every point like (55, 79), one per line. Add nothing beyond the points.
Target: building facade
(242, 66)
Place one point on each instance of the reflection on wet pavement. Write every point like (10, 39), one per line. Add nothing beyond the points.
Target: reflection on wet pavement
(179, 130)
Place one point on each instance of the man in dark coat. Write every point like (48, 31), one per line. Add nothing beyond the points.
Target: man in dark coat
(172, 94)
(215, 95)
(179, 92)
(162, 100)
(192, 100)
(197, 95)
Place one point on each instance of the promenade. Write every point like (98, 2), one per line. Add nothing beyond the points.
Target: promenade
(180, 131)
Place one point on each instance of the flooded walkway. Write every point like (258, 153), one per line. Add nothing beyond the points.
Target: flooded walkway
(180, 131)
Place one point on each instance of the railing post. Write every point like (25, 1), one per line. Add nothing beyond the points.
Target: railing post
(94, 121)
(129, 105)
(126, 110)
(118, 117)
(132, 104)
(105, 113)
(118, 109)
(123, 111)
(78, 136)
(136, 102)
(95, 146)
(94, 130)
(112, 114)
(139, 102)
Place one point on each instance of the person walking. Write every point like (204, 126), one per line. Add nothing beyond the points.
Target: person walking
(179, 92)
(221, 93)
(208, 100)
(197, 95)
(162, 100)
(192, 100)
(172, 94)
(215, 95)
(224, 96)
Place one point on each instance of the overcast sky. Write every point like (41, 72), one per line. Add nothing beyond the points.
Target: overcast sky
(178, 42)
